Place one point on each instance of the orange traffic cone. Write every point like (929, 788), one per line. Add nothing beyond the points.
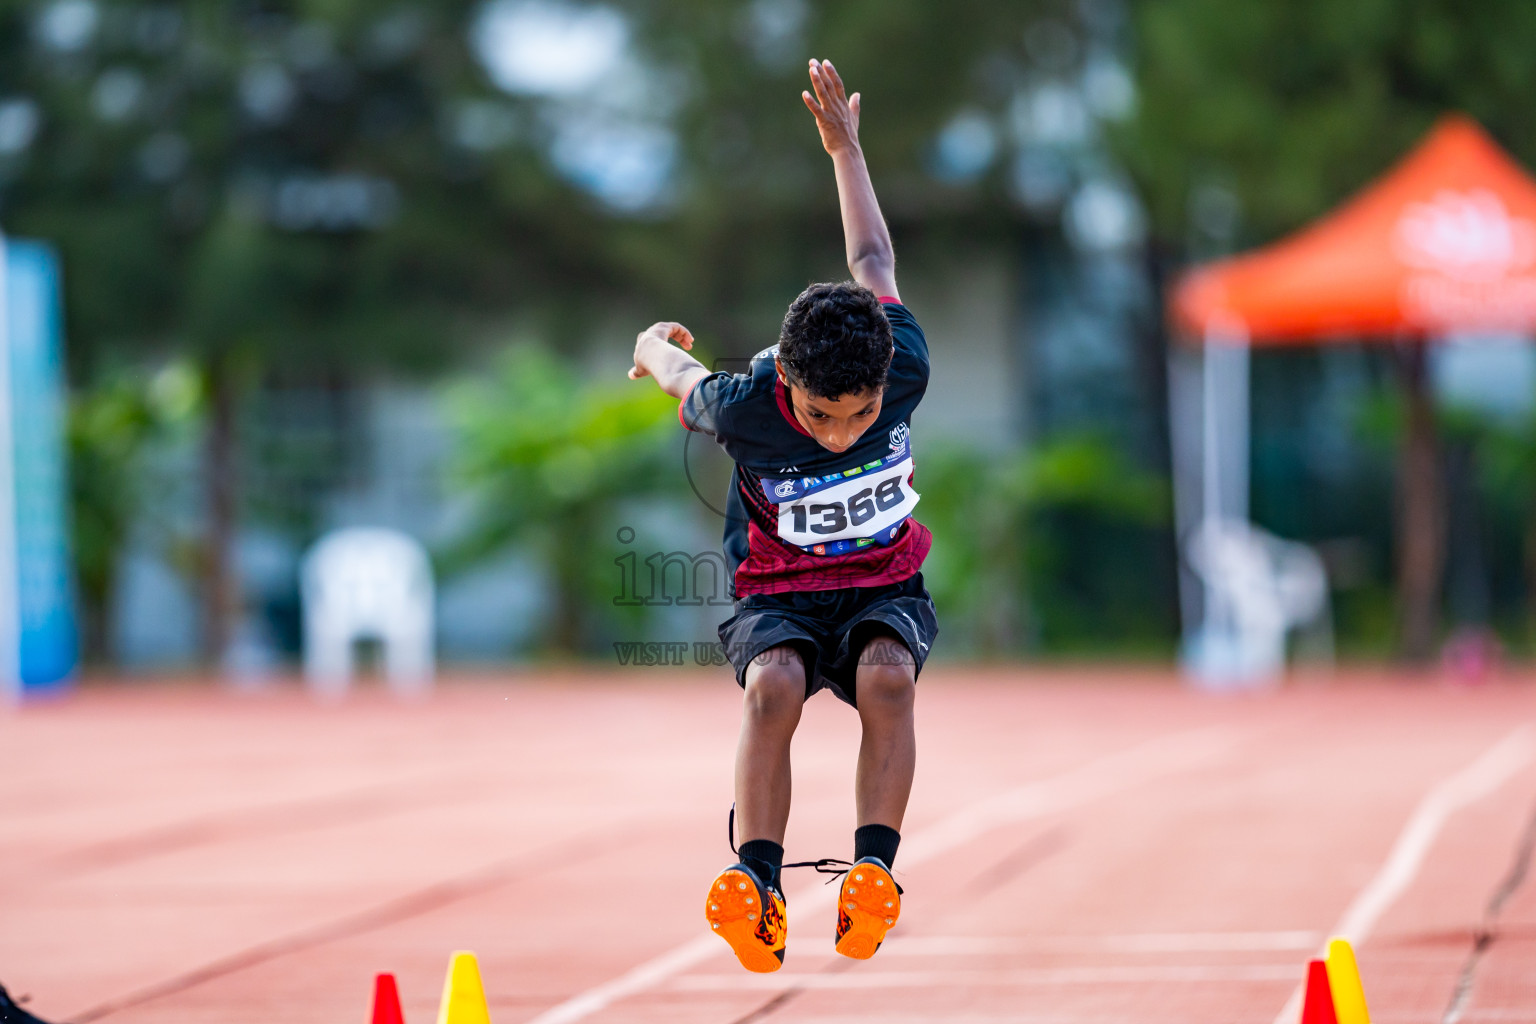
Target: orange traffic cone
(1318, 1007)
(386, 1001)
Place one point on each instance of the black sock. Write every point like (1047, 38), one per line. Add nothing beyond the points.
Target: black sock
(766, 858)
(876, 841)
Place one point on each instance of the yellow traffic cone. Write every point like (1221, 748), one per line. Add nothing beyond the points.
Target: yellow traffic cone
(1344, 980)
(464, 996)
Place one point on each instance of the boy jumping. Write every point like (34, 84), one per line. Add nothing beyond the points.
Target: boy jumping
(823, 550)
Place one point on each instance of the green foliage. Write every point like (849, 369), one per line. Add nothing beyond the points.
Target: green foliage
(757, 218)
(1290, 108)
(1294, 106)
(547, 457)
(166, 200)
(266, 186)
(1488, 463)
(1057, 549)
(1365, 621)
(112, 431)
(180, 162)
(1508, 460)
(1086, 473)
(167, 212)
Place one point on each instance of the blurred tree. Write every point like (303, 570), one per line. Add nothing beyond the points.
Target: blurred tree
(547, 457)
(753, 217)
(1045, 549)
(113, 428)
(1273, 101)
(294, 184)
(271, 184)
(1254, 118)
(1508, 473)
(980, 123)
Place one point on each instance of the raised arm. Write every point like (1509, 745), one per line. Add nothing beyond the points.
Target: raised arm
(674, 369)
(871, 258)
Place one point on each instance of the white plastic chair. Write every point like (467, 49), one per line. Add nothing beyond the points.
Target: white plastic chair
(1258, 589)
(367, 584)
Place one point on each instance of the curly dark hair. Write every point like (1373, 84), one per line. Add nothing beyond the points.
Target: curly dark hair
(836, 341)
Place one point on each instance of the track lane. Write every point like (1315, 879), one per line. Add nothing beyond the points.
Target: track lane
(1194, 871)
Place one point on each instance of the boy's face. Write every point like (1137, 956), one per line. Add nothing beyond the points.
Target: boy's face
(835, 423)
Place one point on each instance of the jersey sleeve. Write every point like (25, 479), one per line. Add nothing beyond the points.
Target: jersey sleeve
(707, 406)
(911, 356)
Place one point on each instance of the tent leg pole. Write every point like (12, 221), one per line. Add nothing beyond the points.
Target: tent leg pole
(1421, 512)
(1210, 469)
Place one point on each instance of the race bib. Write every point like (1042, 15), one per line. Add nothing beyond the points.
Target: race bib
(846, 511)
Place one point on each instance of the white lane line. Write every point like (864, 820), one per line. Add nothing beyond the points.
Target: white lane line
(1209, 942)
(1042, 977)
(949, 1017)
(1150, 943)
(1137, 766)
(1477, 780)
(1093, 781)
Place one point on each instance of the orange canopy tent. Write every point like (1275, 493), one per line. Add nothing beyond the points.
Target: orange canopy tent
(1445, 241)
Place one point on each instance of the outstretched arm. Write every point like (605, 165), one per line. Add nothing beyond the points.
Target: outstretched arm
(871, 258)
(674, 369)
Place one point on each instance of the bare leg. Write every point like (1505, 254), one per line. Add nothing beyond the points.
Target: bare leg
(887, 689)
(775, 693)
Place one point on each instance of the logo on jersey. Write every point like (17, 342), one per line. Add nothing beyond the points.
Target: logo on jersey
(785, 488)
(790, 469)
(898, 437)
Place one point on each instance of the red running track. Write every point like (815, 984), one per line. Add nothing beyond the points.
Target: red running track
(1083, 847)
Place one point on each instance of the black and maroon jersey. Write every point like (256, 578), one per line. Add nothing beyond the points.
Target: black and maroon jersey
(802, 517)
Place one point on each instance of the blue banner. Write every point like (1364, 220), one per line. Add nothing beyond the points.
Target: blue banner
(43, 590)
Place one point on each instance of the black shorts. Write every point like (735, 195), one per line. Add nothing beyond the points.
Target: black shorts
(829, 629)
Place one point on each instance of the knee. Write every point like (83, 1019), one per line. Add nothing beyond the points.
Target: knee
(776, 685)
(887, 679)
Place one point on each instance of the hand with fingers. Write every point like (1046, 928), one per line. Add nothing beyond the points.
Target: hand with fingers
(647, 342)
(655, 356)
(871, 257)
(837, 113)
